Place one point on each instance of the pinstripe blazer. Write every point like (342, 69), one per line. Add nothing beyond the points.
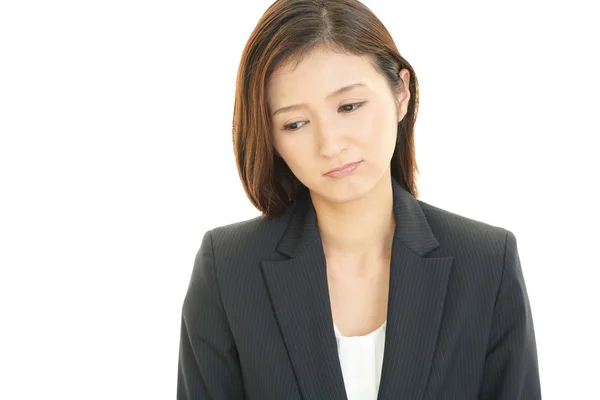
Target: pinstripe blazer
(257, 323)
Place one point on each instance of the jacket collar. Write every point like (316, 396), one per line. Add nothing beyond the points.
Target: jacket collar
(299, 293)
(412, 228)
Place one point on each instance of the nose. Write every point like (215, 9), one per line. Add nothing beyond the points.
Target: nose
(330, 140)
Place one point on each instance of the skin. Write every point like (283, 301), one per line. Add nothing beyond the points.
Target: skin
(355, 212)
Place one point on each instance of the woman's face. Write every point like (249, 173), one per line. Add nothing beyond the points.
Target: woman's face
(327, 128)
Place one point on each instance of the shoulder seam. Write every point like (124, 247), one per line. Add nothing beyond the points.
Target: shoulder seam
(214, 267)
(500, 283)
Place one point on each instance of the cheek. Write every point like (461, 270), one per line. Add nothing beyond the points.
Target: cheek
(378, 134)
(293, 151)
(374, 128)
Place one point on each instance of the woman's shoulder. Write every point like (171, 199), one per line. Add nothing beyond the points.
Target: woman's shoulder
(456, 231)
(254, 235)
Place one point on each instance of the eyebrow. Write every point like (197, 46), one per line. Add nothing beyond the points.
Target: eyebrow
(343, 89)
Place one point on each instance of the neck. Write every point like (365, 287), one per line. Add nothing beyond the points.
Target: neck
(360, 228)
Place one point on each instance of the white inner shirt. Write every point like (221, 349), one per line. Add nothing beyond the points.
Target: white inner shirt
(361, 359)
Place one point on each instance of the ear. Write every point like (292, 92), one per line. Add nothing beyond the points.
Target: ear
(403, 94)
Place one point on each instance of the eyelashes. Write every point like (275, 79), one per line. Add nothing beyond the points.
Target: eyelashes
(344, 108)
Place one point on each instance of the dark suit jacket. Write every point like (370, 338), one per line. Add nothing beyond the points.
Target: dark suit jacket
(257, 323)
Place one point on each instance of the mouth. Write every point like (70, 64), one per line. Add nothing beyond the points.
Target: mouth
(343, 170)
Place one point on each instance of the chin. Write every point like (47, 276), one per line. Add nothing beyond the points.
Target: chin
(342, 192)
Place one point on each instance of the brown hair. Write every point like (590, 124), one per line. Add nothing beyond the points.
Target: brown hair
(287, 31)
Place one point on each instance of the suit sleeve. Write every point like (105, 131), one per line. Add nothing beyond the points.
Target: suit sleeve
(208, 362)
(511, 364)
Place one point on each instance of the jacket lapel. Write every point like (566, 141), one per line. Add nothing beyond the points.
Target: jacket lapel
(415, 304)
(300, 296)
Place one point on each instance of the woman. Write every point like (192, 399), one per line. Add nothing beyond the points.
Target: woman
(347, 286)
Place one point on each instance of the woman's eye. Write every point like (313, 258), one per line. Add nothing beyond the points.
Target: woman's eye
(350, 107)
(293, 126)
(346, 108)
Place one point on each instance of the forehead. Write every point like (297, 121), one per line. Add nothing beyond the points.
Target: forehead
(321, 72)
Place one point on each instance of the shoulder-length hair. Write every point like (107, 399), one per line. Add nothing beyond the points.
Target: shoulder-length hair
(287, 32)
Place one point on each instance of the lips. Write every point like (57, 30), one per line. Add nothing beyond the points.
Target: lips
(343, 170)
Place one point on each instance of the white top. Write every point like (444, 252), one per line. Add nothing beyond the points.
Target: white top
(361, 358)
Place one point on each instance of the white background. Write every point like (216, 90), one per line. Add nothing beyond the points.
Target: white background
(116, 157)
